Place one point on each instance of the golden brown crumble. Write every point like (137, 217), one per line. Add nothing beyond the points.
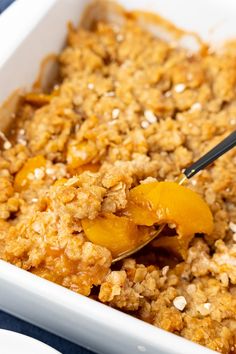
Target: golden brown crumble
(138, 107)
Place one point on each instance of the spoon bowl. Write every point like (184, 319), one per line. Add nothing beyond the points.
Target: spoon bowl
(225, 145)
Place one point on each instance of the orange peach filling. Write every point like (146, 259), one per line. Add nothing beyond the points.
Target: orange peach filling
(151, 204)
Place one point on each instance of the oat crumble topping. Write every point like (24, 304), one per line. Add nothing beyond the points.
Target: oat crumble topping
(137, 112)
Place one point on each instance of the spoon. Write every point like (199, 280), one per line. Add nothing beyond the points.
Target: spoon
(225, 145)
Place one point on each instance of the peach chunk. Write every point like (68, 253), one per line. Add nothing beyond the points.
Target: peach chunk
(116, 233)
(23, 177)
(80, 154)
(170, 203)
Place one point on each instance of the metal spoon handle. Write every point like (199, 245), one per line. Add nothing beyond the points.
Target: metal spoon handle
(224, 146)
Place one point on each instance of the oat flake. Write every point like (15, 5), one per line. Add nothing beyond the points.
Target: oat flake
(144, 124)
(90, 86)
(179, 88)
(180, 302)
(7, 145)
(150, 116)
(115, 113)
(232, 226)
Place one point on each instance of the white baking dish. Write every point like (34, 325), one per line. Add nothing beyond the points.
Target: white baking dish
(29, 30)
